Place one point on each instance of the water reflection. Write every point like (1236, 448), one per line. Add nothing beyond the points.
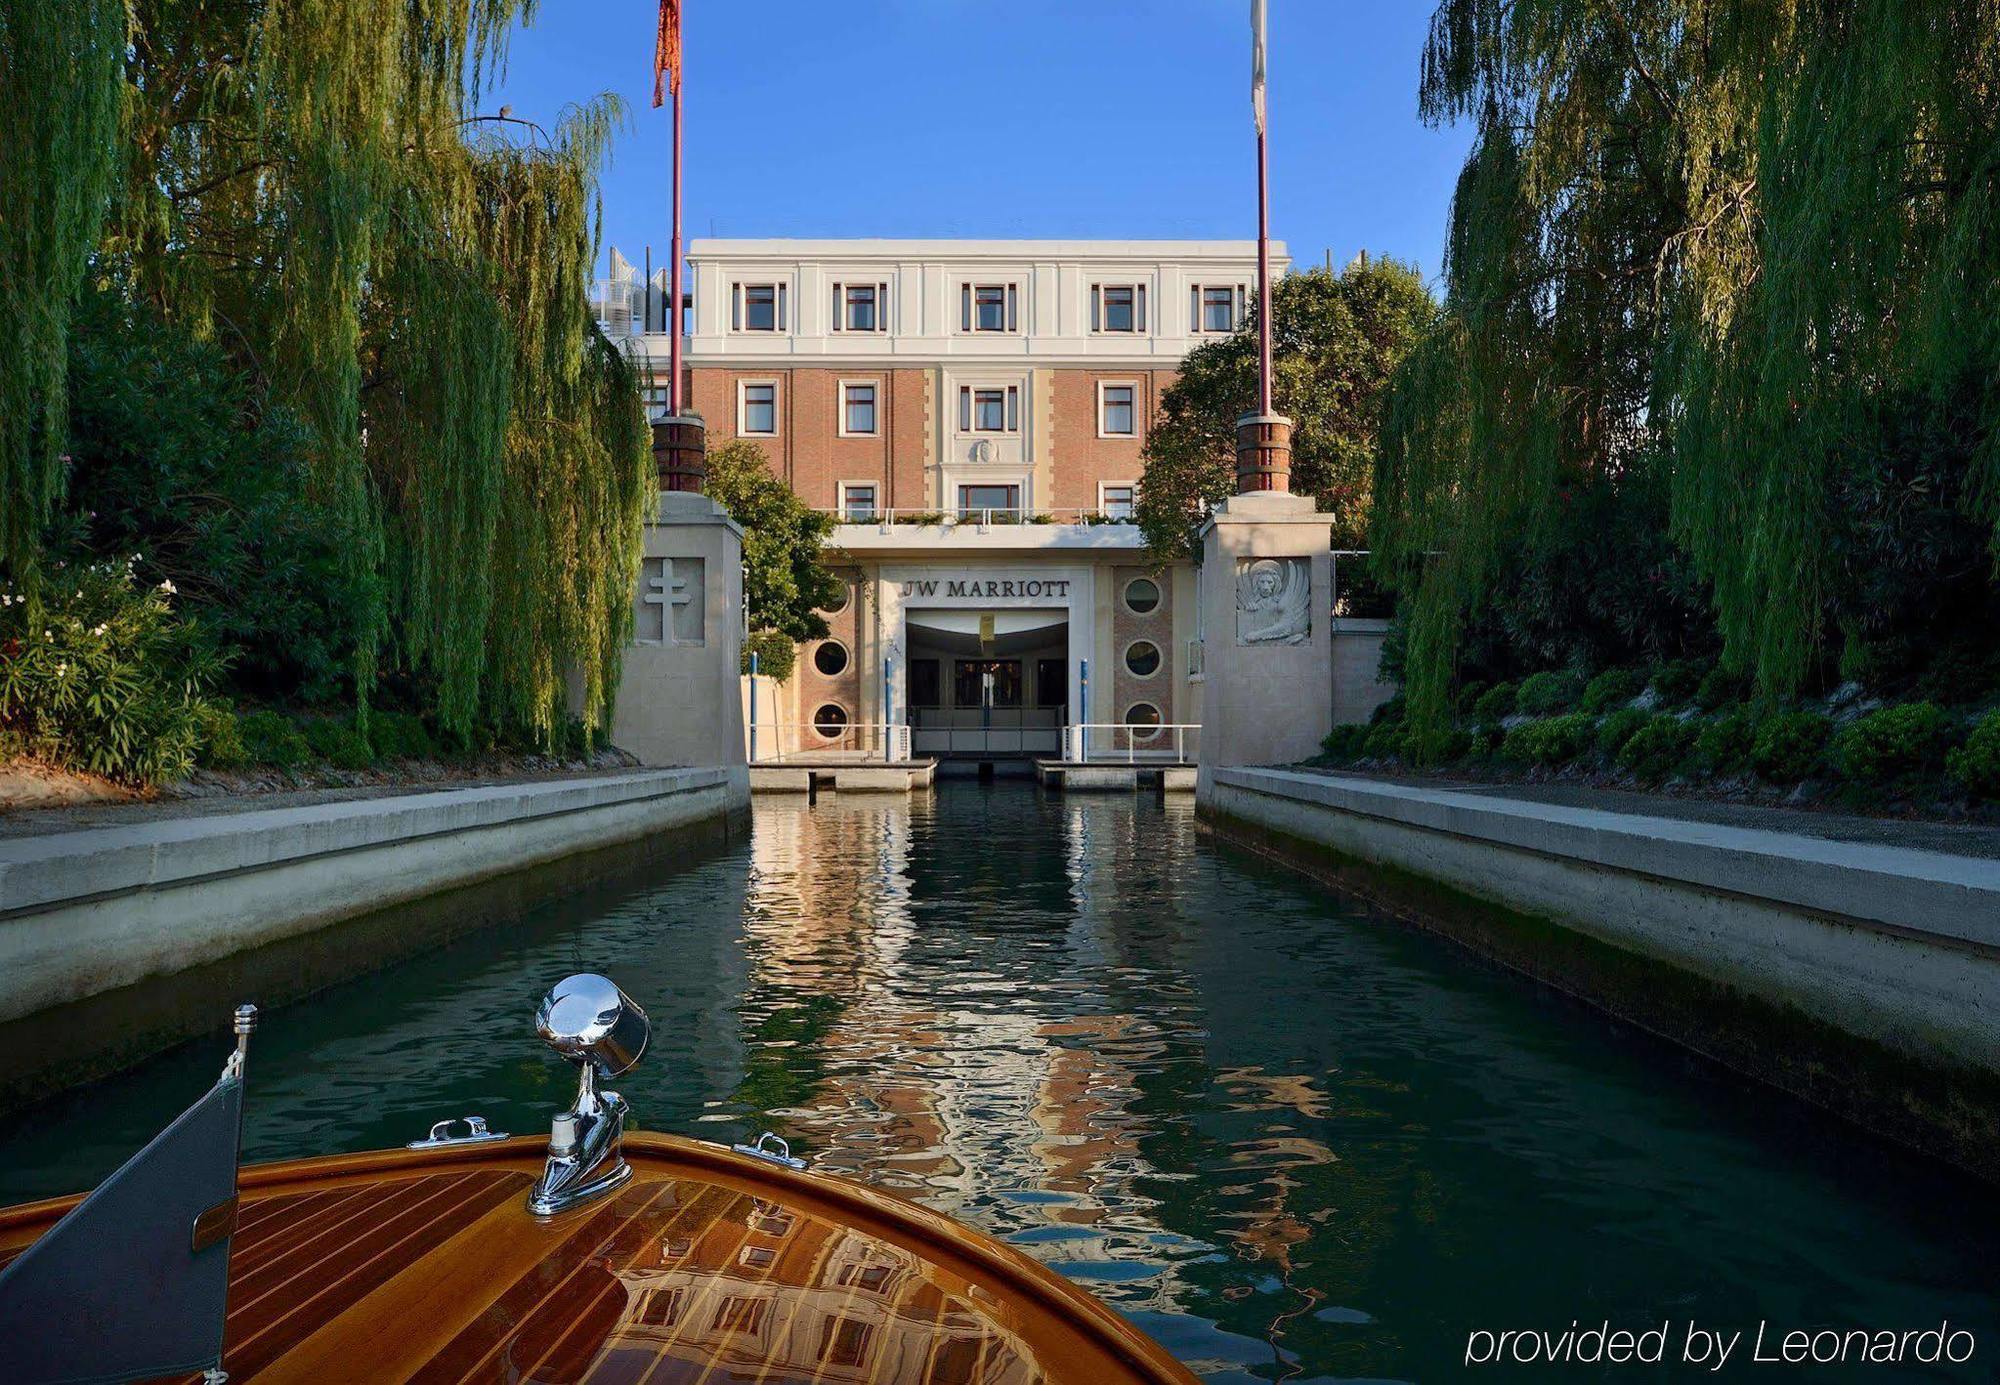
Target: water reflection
(1293, 1140)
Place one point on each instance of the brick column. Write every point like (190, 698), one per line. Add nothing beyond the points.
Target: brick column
(680, 453)
(1263, 453)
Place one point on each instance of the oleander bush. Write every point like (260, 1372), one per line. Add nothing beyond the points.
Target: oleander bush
(400, 736)
(1612, 688)
(221, 737)
(1976, 764)
(1719, 687)
(1384, 741)
(104, 675)
(1789, 745)
(1345, 742)
(1678, 680)
(1546, 693)
(1892, 742)
(1656, 749)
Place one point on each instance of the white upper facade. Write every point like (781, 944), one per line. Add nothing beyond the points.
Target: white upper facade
(797, 302)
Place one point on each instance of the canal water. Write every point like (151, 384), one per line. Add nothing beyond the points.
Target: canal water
(1294, 1139)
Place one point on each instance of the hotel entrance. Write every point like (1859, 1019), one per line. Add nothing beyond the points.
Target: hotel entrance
(986, 685)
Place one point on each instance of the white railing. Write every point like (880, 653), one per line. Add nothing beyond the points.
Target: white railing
(984, 517)
(1131, 743)
(776, 742)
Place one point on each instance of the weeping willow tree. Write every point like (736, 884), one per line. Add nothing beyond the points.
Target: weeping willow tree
(306, 182)
(1704, 237)
(61, 89)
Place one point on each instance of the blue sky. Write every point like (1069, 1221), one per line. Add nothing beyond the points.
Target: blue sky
(989, 118)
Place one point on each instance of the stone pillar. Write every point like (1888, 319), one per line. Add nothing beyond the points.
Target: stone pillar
(1267, 626)
(680, 699)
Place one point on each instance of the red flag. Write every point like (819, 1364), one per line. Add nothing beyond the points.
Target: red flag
(667, 53)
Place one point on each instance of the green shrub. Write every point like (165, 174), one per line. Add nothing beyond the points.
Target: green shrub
(400, 736)
(1544, 694)
(1677, 681)
(108, 678)
(1497, 703)
(1892, 742)
(1550, 741)
(221, 737)
(270, 739)
(1388, 713)
(1720, 687)
(775, 651)
(1466, 696)
(1789, 745)
(1616, 729)
(339, 742)
(1654, 750)
(1612, 688)
(1724, 745)
(1976, 764)
(1345, 742)
(1384, 741)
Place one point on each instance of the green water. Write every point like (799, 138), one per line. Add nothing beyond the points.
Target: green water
(1294, 1140)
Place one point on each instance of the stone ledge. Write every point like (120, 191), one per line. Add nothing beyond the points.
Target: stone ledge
(92, 863)
(1925, 893)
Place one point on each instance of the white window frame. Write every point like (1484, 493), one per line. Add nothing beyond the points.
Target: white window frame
(966, 421)
(1102, 433)
(1239, 301)
(968, 306)
(841, 421)
(743, 388)
(840, 493)
(842, 287)
(1099, 311)
(739, 307)
(1103, 506)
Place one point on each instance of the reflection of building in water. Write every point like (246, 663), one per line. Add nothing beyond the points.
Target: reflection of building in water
(766, 1292)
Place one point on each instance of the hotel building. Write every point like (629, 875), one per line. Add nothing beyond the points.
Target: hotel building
(973, 412)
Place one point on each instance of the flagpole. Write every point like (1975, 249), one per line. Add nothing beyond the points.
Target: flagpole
(674, 267)
(1263, 227)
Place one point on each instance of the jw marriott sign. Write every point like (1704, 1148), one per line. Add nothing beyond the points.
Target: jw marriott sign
(987, 588)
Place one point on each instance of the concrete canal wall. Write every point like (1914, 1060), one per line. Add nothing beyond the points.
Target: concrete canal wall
(1863, 977)
(138, 910)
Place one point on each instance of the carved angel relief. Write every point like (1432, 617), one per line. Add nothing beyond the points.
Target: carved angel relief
(1273, 600)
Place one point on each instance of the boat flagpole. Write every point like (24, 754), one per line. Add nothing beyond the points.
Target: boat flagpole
(1263, 209)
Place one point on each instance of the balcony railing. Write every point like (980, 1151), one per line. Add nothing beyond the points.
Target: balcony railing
(981, 516)
(1131, 743)
(795, 742)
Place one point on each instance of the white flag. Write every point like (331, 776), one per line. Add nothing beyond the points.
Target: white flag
(1257, 62)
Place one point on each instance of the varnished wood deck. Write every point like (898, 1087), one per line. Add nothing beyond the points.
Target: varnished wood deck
(706, 1267)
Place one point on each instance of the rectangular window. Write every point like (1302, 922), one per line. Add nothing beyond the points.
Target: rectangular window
(1051, 682)
(975, 500)
(1116, 501)
(975, 679)
(844, 1341)
(760, 410)
(1118, 308)
(989, 411)
(860, 307)
(655, 398)
(762, 307)
(1115, 411)
(925, 687)
(857, 409)
(857, 502)
(988, 308)
(1216, 307)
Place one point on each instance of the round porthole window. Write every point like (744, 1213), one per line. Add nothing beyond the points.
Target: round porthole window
(831, 658)
(1142, 594)
(1142, 658)
(838, 604)
(1144, 719)
(830, 720)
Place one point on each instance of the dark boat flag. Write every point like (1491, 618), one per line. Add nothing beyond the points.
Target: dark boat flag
(134, 1281)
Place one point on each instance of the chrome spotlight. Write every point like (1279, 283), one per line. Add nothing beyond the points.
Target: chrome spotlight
(593, 1024)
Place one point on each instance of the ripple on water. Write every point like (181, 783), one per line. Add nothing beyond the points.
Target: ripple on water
(1290, 1139)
